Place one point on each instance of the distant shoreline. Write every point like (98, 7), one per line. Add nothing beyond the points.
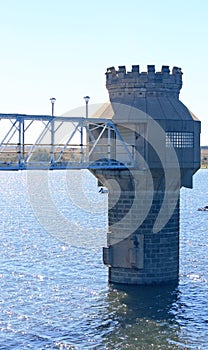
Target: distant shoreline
(204, 157)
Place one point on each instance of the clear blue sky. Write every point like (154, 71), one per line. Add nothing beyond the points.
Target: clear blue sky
(61, 48)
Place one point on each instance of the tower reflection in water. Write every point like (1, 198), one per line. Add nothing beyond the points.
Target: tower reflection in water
(142, 317)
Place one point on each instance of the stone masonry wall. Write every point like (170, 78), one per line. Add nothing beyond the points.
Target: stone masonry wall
(136, 255)
(148, 83)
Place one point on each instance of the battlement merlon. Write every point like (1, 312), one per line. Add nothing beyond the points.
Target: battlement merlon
(150, 82)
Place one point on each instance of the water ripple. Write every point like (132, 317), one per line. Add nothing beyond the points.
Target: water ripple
(56, 296)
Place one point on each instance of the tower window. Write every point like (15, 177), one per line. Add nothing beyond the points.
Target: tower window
(179, 139)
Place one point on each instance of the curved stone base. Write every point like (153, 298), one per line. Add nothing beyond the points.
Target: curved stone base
(160, 261)
(135, 277)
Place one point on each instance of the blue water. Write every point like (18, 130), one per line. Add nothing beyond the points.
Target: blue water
(54, 287)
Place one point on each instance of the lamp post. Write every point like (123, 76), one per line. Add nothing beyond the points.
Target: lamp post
(53, 100)
(87, 98)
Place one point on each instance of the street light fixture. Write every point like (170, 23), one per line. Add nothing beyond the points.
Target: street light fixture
(53, 100)
(87, 98)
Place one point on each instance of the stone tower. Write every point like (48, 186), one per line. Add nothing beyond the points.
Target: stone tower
(143, 238)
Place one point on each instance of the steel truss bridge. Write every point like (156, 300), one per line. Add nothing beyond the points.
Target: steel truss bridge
(39, 142)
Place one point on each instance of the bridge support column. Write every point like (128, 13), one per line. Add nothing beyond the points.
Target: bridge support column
(134, 253)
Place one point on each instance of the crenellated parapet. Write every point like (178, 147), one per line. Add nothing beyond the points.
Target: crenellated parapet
(150, 83)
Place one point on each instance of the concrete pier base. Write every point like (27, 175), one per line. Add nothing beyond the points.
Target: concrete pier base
(160, 264)
(135, 253)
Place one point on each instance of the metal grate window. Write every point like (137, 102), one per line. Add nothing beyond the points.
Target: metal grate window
(179, 139)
